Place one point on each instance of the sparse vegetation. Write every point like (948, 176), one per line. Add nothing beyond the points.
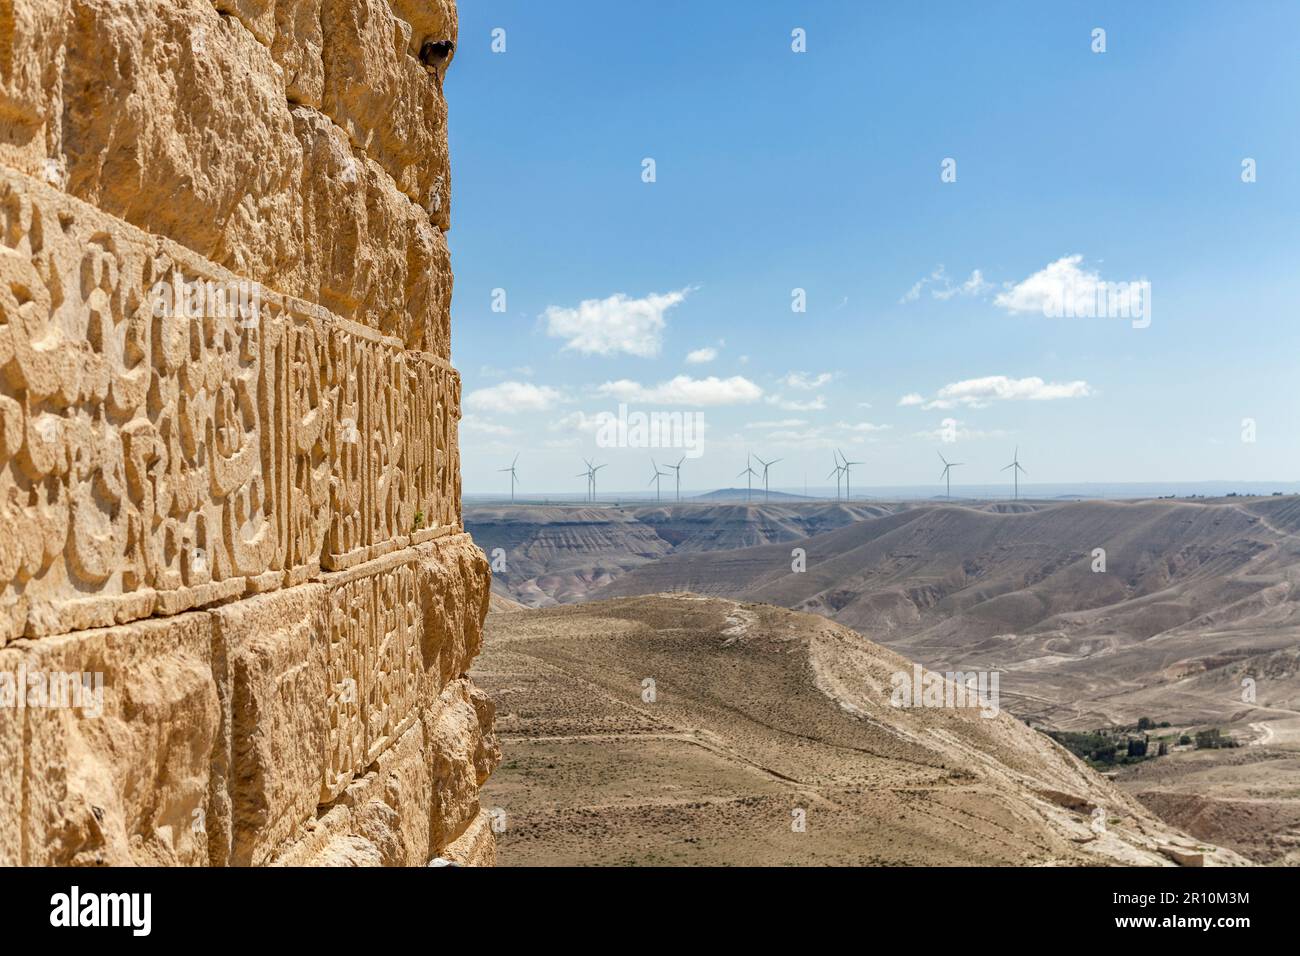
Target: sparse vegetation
(1109, 747)
(1213, 739)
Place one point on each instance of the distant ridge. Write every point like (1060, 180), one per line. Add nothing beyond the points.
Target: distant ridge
(755, 496)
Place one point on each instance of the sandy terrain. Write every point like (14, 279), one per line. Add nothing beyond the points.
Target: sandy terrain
(759, 713)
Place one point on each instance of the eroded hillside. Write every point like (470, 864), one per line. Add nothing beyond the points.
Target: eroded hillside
(1193, 598)
(758, 714)
(557, 554)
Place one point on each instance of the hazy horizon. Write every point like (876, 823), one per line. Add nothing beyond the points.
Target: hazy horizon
(972, 492)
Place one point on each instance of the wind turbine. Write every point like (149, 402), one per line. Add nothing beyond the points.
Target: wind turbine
(766, 465)
(511, 469)
(846, 465)
(594, 469)
(752, 475)
(947, 467)
(678, 468)
(655, 480)
(591, 479)
(1015, 474)
(839, 475)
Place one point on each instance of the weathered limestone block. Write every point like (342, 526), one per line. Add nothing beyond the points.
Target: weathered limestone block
(387, 100)
(117, 99)
(379, 819)
(419, 800)
(477, 846)
(400, 629)
(175, 120)
(31, 62)
(455, 586)
(229, 465)
(464, 752)
(122, 779)
(298, 47)
(172, 436)
(375, 69)
(274, 724)
(431, 21)
(370, 253)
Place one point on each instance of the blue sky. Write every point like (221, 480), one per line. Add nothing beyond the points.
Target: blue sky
(821, 171)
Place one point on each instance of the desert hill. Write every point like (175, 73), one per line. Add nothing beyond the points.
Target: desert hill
(758, 713)
(749, 496)
(1187, 588)
(560, 553)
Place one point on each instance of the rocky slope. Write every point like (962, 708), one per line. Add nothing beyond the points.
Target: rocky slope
(1193, 597)
(683, 729)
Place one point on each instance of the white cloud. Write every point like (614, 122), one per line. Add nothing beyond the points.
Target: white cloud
(975, 285)
(802, 380)
(578, 421)
(980, 392)
(684, 390)
(701, 356)
(1060, 281)
(481, 426)
(941, 286)
(511, 397)
(815, 404)
(783, 423)
(613, 325)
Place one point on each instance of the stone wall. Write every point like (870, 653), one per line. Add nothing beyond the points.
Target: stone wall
(229, 472)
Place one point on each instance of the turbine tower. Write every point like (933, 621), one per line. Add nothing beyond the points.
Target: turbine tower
(657, 475)
(1015, 474)
(947, 468)
(678, 468)
(846, 465)
(594, 469)
(839, 476)
(766, 465)
(591, 479)
(749, 480)
(513, 476)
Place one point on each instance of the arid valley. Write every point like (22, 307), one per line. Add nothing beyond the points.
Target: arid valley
(768, 635)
